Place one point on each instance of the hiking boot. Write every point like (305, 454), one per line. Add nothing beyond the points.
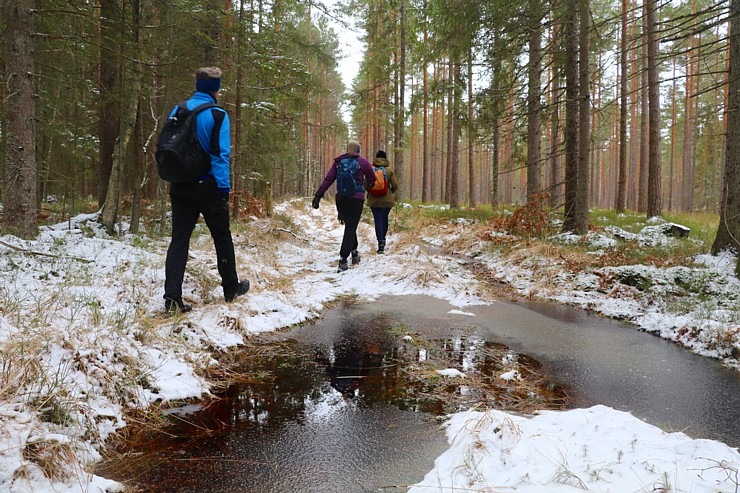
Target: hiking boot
(239, 290)
(343, 265)
(174, 306)
(355, 257)
(381, 246)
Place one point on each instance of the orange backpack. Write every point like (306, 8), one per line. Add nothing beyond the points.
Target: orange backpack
(380, 187)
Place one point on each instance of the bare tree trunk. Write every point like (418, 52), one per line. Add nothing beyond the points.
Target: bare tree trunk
(634, 182)
(496, 81)
(111, 18)
(728, 234)
(455, 151)
(554, 149)
(19, 193)
(570, 40)
(534, 118)
(642, 201)
(450, 129)
(426, 180)
(689, 144)
(472, 181)
(584, 121)
(654, 169)
(671, 180)
(400, 108)
(141, 12)
(112, 203)
(622, 180)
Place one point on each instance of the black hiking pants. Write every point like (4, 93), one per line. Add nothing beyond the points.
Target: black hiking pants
(189, 201)
(350, 210)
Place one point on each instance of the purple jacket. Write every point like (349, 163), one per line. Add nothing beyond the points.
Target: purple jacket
(365, 169)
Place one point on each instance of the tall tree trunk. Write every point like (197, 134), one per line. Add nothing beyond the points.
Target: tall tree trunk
(450, 130)
(426, 187)
(555, 100)
(584, 120)
(689, 144)
(19, 194)
(642, 201)
(455, 151)
(111, 20)
(496, 137)
(728, 234)
(472, 181)
(400, 108)
(654, 206)
(672, 162)
(534, 118)
(570, 41)
(634, 168)
(139, 158)
(425, 162)
(112, 203)
(622, 180)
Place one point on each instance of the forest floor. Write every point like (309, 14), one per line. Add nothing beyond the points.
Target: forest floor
(85, 345)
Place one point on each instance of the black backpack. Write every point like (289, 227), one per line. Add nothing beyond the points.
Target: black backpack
(180, 158)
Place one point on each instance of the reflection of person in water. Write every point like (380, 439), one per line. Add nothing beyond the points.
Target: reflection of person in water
(350, 363)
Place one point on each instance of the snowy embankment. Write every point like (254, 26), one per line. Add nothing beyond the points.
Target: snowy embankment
(83, 341)
(697, 306)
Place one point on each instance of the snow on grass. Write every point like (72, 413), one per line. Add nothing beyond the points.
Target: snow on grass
(597, 449)
(697, 306)
(84, 341)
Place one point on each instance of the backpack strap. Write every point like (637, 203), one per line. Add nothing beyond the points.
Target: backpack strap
(183, 105)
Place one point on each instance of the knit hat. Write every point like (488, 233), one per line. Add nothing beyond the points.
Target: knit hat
(208, 79)
(380, 154)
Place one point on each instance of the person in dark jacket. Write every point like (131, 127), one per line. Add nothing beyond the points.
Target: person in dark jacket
(349, 207)
(207, 195)
(381, 205)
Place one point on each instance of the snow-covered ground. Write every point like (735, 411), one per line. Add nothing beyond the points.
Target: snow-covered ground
(83, 340)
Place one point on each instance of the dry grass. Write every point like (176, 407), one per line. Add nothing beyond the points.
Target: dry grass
(55, 459)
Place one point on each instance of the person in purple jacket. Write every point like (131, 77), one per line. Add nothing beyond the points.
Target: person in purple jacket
(353, 173)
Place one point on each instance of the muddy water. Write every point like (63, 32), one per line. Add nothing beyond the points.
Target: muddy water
(334, 409)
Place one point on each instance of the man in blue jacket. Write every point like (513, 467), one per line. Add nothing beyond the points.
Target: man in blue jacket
(350, 197)
(207, 195)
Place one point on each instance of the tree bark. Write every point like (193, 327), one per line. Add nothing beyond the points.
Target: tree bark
(642, 201)
(584, 121)
(109, 215)
(554, 149)
(534, 109)
(570, 40)
(108, 87)
(672, 158)
(622, 180)
(728, 233)
(472, 181)
(455, 151)
(398, 164)
(447, 180)
(654, 206)
(496, 137)
(19, 194)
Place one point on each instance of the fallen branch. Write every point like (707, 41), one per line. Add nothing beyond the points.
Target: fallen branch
(40, 254)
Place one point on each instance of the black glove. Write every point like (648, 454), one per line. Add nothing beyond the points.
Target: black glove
(316, 200)
(224, 198)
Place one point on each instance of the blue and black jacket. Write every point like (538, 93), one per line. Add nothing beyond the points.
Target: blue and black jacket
(214, 135)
